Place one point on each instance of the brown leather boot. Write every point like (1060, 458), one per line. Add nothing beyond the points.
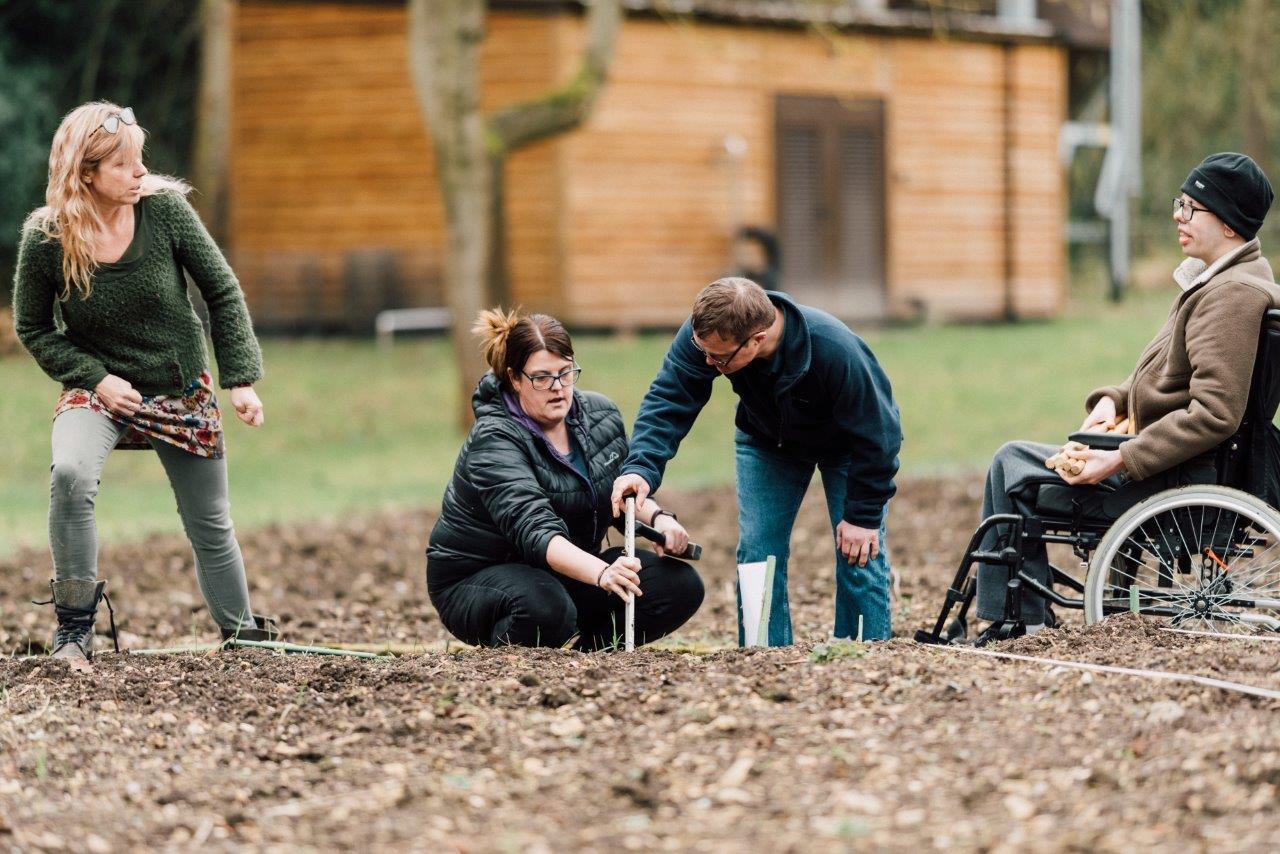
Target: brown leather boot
(264, 630)
(75, 601)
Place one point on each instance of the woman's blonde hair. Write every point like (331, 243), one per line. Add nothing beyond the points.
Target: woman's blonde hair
(509, 338)
(69, 215)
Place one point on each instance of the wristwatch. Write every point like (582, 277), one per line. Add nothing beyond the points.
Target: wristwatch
(661, 512)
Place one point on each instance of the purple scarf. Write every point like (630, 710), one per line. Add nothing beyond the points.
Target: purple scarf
(517, 412)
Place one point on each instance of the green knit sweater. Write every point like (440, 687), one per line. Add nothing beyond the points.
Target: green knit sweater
(138, 323)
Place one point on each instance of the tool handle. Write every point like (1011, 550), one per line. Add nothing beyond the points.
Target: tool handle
(629, 546)
(692, 551)
(629, 525)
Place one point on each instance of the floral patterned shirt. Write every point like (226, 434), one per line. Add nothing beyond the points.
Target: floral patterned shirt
(191, 421)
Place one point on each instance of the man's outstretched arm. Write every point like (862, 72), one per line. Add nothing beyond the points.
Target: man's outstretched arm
(675, 397)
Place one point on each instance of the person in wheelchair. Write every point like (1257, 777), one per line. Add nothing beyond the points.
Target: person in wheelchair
(1185, 397)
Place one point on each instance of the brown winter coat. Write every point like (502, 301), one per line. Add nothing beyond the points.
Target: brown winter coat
(1188, 393)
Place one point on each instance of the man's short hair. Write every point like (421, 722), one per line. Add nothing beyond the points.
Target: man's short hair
(733, 308)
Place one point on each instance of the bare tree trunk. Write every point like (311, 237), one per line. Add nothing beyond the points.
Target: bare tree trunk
(444, 43)
(213, 116)
(498, 281)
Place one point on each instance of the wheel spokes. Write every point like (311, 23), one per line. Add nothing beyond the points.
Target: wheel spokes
(1229, 577)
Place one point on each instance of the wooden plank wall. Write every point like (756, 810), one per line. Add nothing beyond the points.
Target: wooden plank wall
(332, 168)
(1040, 199)
(650, 189)
(620, 223)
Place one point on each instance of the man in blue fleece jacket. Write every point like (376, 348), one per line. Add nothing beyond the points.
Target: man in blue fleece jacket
(810, 395)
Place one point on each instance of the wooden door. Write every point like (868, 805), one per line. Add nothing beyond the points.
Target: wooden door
(830, 202)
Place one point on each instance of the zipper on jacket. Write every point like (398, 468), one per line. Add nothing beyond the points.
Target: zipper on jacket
(591, 487)
(586, 458)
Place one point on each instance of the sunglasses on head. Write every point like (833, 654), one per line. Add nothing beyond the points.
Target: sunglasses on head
(113, 122)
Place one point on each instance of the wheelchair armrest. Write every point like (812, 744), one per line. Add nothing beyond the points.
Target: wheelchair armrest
(1101, 441)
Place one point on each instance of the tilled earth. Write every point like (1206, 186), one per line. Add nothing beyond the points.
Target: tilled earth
(821, 746)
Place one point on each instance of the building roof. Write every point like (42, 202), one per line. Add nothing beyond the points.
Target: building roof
(1081, 24)
(840, 14)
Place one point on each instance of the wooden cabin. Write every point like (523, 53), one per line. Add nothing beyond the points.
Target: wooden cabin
(907, 164)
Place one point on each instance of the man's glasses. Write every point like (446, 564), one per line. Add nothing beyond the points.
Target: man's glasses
(1184, 210)
(545, 382)
(113, 122)
(717, 360)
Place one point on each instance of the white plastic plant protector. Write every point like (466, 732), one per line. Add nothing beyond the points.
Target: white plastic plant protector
(755, 586)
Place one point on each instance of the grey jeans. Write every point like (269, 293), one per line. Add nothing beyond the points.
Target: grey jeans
(1015, 470)
(82, 439)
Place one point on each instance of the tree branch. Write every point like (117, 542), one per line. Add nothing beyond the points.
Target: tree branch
(567, 106)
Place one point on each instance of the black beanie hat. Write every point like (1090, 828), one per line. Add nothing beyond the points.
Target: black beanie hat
(1234, 188)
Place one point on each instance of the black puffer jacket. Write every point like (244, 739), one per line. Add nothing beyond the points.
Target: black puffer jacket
(511, 492)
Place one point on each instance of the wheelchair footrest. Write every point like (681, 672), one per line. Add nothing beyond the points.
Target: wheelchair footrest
(925, 636)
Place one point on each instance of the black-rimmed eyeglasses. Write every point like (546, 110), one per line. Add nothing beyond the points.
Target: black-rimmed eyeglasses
(717, 360)
(113, 122)
(1184, 210)
(546, 382)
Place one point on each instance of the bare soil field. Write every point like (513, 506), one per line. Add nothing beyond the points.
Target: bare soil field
(814, 747)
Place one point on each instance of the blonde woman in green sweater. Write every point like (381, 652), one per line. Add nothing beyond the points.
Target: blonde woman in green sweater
(101, 303)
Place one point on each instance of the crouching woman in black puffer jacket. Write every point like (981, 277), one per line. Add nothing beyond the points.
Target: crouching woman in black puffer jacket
(515, 556)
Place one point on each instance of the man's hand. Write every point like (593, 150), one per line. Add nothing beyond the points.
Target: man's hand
(858, 545)
(118, 395)
(676, 538)
(1098, 466)
(247, 405)
(628, 484)
(1102, 416)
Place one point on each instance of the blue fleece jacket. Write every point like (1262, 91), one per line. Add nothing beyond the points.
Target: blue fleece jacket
(820, 396)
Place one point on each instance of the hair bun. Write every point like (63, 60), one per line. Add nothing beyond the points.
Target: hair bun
(493, 327)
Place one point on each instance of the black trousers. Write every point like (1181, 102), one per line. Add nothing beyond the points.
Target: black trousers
(514, 604)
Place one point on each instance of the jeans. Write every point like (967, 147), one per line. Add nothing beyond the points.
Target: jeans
(82, 439)
(771, 485)
(515, 604)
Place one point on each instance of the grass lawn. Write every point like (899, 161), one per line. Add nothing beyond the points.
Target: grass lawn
(350, 427)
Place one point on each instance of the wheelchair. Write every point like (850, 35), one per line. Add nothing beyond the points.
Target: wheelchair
(1202, 554)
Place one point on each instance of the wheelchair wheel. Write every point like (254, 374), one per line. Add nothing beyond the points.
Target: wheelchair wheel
(1205, 558)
